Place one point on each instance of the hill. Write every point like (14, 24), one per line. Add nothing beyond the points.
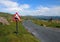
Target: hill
(7, 31)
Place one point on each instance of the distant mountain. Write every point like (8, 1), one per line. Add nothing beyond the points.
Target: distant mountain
(47, 17)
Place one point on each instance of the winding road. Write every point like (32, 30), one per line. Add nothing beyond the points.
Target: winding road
(43, 33)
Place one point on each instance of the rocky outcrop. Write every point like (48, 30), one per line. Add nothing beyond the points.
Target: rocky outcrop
(4, 21)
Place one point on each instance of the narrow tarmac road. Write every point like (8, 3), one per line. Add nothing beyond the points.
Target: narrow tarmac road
(42, 33)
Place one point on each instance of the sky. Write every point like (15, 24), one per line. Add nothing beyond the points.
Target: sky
(31, 7)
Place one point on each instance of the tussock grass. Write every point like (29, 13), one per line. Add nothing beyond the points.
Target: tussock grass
(7, 34)
(47, 23)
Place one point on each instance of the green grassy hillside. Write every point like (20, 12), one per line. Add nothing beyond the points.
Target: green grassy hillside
(53, 23)
(7, 32)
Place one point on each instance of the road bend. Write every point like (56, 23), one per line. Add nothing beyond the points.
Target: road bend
(43, 33)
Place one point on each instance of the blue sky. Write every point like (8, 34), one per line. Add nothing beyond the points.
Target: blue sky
(36, 3)
(31, 7)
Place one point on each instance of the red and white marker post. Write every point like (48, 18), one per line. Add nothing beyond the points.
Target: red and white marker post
(16, 18)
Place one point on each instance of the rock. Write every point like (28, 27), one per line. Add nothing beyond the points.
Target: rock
(4, 21)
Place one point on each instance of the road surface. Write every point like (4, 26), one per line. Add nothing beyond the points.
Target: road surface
(43, 33)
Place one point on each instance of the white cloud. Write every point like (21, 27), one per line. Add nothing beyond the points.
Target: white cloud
(46, 11)
(10, 6)
(25, 9)
(54, 11)
(25, 6)
(43, 9)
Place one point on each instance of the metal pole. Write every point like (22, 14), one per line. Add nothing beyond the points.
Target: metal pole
(16, 26)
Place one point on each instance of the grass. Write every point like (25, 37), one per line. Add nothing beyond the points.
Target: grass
(7, 34)
(45, 23)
